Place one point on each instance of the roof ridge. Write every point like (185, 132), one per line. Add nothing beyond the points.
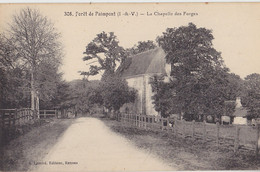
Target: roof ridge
(135, 55)
(145, 62)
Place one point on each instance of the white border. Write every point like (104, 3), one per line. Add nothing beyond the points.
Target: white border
(118, 1)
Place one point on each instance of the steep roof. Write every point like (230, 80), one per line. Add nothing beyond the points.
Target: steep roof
(240, 111)
(152, 61)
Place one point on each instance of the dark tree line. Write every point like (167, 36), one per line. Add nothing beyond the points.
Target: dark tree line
(200, 83)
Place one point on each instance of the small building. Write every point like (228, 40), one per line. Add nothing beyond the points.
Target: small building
(240, 114)
(137, 73)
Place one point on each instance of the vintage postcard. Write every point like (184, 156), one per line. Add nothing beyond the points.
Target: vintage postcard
(129, 86)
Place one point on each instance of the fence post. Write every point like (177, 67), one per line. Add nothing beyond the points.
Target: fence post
(168, 125)
(135, 119)
(176, 127)
(204, 131)
(145, 122)
(23, 114)
(193, 129)
(3, 119)
(19, 117)
(139, 121)
(14, 117)
(162, 123)
(257, 140)
(236, 145)
(44, 113)
(1, 129)
(173, 125)
(217, 139)
(9, 120)
(183, 128)
(153, 122)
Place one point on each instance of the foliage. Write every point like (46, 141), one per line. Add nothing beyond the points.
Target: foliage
(115, 92)
(85, 95)
(105, 50)
(200, 79)
(164, 97)
(142, 46)
(35, 38)
(30, 54)
(11, 77)
(11, 94)
(251, 99)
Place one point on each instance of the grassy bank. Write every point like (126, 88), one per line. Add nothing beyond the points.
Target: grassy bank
(186, 153)
(21, 152)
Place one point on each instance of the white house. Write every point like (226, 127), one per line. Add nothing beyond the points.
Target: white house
(240, 113)
(137, 74)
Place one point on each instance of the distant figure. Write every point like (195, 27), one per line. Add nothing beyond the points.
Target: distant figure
(253, 122)
(225, 119)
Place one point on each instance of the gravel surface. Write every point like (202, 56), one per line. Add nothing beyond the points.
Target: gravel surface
(89, 145)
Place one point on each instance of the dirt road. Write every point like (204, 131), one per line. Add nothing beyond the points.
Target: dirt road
(89, 145)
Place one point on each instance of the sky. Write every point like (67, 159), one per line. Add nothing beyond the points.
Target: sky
(235, 27)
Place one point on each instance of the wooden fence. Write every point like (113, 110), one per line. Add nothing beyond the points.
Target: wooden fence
(238, 136)
(11, 119)
(48, 113)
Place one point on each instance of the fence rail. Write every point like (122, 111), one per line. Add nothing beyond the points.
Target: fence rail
(13, 117)
(12, 120)
(238, 136)
(48, 113)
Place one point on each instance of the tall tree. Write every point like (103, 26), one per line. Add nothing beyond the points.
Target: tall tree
(35, 40)
(12, 83)
(251, 99)
(164, 97)
(86, 94)
(115, 93)
(200, 76)
(105, 50)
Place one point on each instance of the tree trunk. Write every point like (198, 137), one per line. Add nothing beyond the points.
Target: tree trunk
(32, 92)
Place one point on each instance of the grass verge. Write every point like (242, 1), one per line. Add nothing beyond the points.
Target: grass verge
(186, 153)
(22, 152)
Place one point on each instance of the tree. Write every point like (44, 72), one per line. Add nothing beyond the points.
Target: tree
(12, 73)
(142, 46)
(164, 97)
(47, 81)
(105, 50)
(115, 93)
(35, 40)
(251, 99)
(60, 98)
(86, 95)
(200, 76)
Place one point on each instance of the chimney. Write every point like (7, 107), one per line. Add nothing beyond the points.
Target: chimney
(238, 102)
